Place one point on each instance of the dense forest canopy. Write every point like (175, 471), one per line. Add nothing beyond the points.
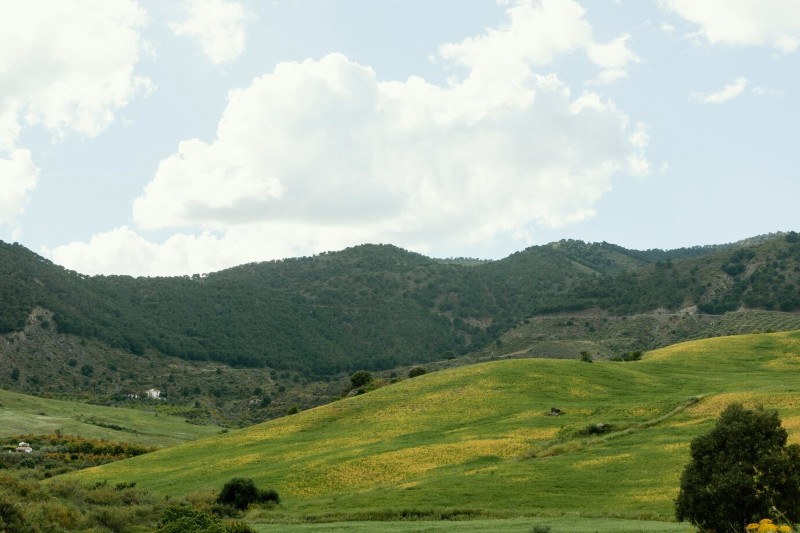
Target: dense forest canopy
(378, 306)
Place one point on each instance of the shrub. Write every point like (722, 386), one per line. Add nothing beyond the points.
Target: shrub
(241, 492)
(417, 371)
(181, 518)
(596, 429)
(740, 471)
(10, 516)
(239, 527)
(269, 495)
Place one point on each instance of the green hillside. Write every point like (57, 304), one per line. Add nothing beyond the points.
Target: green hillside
(377, 307)
(21, 414)
(480, 440)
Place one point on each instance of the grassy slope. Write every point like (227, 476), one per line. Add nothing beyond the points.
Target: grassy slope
(571, 524)
(22, 414)
(478, 439)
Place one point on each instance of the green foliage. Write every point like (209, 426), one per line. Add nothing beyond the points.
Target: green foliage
(375, 307)
(635, 355)
(417, 371)
(241, 492)
(30, 506)
(586, 357)
(596, 429)
(360, 378)
(11, 519)
(740, 472)
(182, 518)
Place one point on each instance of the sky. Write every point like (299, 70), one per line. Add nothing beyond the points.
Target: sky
(152, 137)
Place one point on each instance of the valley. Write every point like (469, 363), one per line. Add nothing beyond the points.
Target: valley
(560, 386)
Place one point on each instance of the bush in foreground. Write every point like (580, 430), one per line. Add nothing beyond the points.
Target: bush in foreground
(739, 472)
(182, 518)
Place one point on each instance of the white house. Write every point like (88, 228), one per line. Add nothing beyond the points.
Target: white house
(153, 394)
(24, 447)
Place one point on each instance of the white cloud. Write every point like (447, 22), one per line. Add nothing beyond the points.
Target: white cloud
(729, 92)
(539, 33)
(67, 66)
(773, 23)
(218, 25)
(64, 66)
(614, 58)
(18, 177)
(318, 155)
(123, 250)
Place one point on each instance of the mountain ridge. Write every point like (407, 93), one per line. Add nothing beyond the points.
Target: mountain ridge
(379, 306)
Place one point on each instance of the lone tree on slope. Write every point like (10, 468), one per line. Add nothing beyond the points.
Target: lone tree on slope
(739, 472)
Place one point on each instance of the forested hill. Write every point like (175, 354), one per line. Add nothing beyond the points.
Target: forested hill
(378, 306)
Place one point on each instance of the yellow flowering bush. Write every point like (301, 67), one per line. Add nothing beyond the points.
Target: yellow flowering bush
(768, 526)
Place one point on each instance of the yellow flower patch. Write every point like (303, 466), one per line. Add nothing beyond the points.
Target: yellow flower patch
(398, 466)
(713, 405)
(642, 412)
(241, 460)
(654, 495)
(792, 425)
(534, 434)
(788, 362)
(600, 461)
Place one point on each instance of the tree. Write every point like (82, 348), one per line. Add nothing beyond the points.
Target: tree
(739, 472)
(360, 378)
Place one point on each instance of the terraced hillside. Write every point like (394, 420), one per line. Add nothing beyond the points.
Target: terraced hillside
(481, 440)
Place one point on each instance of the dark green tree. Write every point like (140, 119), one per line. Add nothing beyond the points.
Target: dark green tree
(360, 378)
(241, 492)
(740, 472)
(417, 371)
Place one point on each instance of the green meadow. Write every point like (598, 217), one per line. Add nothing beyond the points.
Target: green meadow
(21, 414)
(479, 442)
(572, 524)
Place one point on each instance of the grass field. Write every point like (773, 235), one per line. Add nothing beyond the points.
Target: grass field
(21, 414)
(511, 525)
(478, 442)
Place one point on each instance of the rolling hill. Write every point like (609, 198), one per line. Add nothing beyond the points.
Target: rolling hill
(482, 440)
